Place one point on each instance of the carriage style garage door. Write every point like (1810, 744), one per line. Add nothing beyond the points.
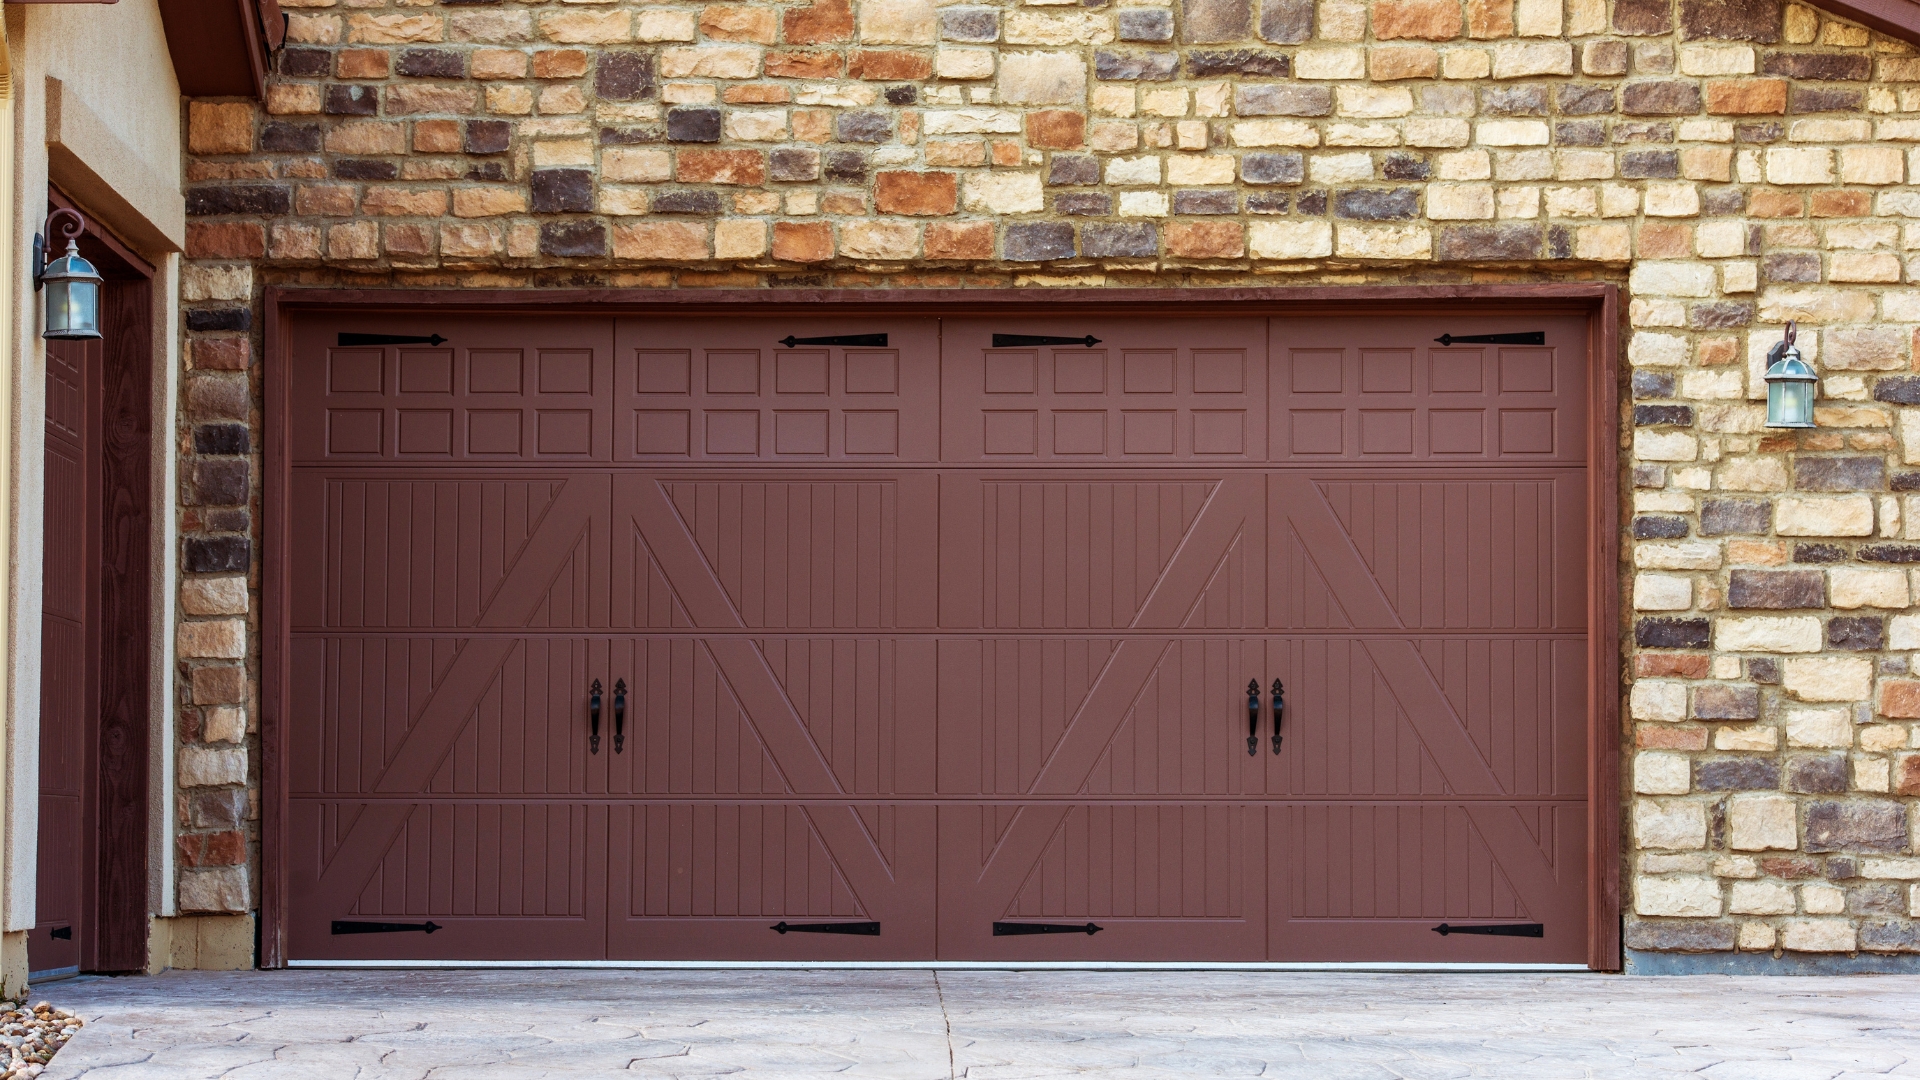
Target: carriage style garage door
(929, 636)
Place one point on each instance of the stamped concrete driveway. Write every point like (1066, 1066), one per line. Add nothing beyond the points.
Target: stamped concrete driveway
(519, 1025)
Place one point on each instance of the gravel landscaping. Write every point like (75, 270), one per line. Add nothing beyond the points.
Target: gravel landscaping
(33, 1036)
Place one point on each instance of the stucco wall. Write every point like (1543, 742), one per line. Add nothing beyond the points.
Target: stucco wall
(1732, 164)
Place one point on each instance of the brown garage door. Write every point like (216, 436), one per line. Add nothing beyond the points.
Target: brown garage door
(936, 646)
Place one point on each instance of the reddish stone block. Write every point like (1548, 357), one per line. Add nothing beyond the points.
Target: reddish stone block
(1774, 204)
(409, 239)
(1841, 204)
(220, 354)
(219, 685)
(1900, 698)
(1056, 129)
(916, 193)
(1747, 97)
(960, 240)
(1206, 240)
(1489, 18)
(748, 167)
(559, 64)
(756, 94)
(803, 65)
(1670, 666)
(436, 137)
(802, 241)
(889, 66)
(1006, 152)
(1791, 867)
(1663, 241)
(360, 64)
(1669, 737)
(1426, 20)
(819, 23)
(231, 240)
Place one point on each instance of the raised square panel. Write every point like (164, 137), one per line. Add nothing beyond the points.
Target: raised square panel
(1009, 431)
(873, 372)
(800, 372)
(1316, 431)
(1386, 431)
(1454, 371)
(1317, 371)
(1386, 371)
(1080, 431)
(1457, 431)
(493, 431)
(873, 431)
(1219, 431)
(800, 431)
(1147, 372)
(1219, 371)
(494, 371)
(733, 372)
(1145, 432)
(661, 431)
(353, 431)
(426, 431)
(1526, 431)
(359, 371)
(1010, 372)
(1526, 371)
(662, 371)
(566, 371)
(733, 431)
(426, 371)
(565, 431)
(1079, 372)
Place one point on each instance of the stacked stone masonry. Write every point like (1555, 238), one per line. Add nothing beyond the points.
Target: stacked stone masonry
(1732, 163)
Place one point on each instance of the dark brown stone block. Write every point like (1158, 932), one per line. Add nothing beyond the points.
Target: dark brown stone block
(1660, 98)
(1819, 67)
(1736, 774)
(575, 239)
(1856, 826)
(1731, 20)
(1286, 22)
(1776, 589)
(623, 76)
(1720, 702)
(1688, 936)
(1840, 473)
(1209, 21)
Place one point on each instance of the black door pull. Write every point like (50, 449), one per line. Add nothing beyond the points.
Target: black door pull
(619, 715)
(1253, 717)
(1018, 929)
(862, 929)
(1524, 929)
(593, 716)
(1279, 710)
(346, 927)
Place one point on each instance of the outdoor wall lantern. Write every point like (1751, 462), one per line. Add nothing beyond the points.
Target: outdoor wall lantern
(72, 284)
(1790, 385)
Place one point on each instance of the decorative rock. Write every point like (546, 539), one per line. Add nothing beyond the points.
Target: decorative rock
(1856, 826)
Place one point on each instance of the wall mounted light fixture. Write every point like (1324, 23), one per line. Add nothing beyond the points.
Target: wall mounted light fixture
(72, 285)
(1790, 384)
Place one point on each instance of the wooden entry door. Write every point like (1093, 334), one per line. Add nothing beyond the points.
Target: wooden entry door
(1429, 535)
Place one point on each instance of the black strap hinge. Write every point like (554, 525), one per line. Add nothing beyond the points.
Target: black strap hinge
(863, 929)
(874, 340)
(1013, 341)
(1524, 929)
(345, 927)
(1017, 929)
(1531, 337)
(389, 339)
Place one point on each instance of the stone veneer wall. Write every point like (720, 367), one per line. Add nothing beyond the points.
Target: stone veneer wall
(1733, 164)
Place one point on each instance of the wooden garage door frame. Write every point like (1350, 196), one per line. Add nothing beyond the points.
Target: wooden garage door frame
(1605, 488)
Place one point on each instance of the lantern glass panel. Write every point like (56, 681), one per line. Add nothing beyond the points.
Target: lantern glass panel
(1790, 404)
(73, 309)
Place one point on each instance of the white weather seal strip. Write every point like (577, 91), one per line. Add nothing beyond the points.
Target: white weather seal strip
(927, 965)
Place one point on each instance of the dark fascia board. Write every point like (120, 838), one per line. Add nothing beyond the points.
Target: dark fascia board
(218, 46)
(1895, 18)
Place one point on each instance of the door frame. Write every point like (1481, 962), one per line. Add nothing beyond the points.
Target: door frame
(1606, 489)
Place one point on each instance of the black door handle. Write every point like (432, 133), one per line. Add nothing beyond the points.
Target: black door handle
(593, 716)
(1279, 711)
(619, 715)
(1253, 717)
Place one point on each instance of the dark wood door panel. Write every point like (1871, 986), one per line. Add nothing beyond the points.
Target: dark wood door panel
(1151, 390)
(727, 390)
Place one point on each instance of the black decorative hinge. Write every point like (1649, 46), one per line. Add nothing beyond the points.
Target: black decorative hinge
(1522, 929)
(389, 339)
(863, 929)
(836, 339)
(61, 933)
(1010, 341)
(340, 927)
(1531, 337)
(1016, 929)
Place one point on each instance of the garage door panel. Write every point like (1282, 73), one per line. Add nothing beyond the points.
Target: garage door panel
(708, 389)
(1162, 389)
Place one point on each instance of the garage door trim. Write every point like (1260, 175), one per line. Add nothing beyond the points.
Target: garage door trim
(1600, 302)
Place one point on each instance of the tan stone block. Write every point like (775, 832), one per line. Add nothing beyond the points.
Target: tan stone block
(488, 202)
(1762, 823)
(1373, 101)
(1466, 64)
(710, 61)
(1671, 200)
(224, 724)
(1004, 193)
(973, 122)
(214, 596)
(1042, 78)
(1603, 243)
(1662, 592)
(1459, 202)
(293, 99)
(745, 167)
(1256, 133)
(1818, 935)
(201, 766)
(1830, 727)
(222, 888)
(1426, 20)
(889, 240)
(1519, 60)
(1828, 678)
(394, 29)
(739, 238)
(956, 152)
(313, 29)
(1871, 165)
(1384, 241)
(1750, 738)
(1386, 65)
(1205, 171)
(1330, 63)
(1340, 168)
(493, 26)
(1656, 773)
(1851, 587)
(509, 100)
(586, 27)
(213, 639)
(1206, 240)
(1768, 633)
(1863, 266)
(756, 125)
(662, 240)
(971, 240)
(1813, 515)
(220, 127)
(472, 241)
(497, 64)
(897, 22)
(1671, 825)
(367, 138)
(1657, 700)
(1681, 896)
(1291, 239)
(1489, 19)
(1511, 133)
(1704, 59)
(734, 22)
(957, 63)
(403, 202)
(1341, 20)
(1799, 165)
(295, 242)
(1761, 898)
(1707, 163)
(1864, 348)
